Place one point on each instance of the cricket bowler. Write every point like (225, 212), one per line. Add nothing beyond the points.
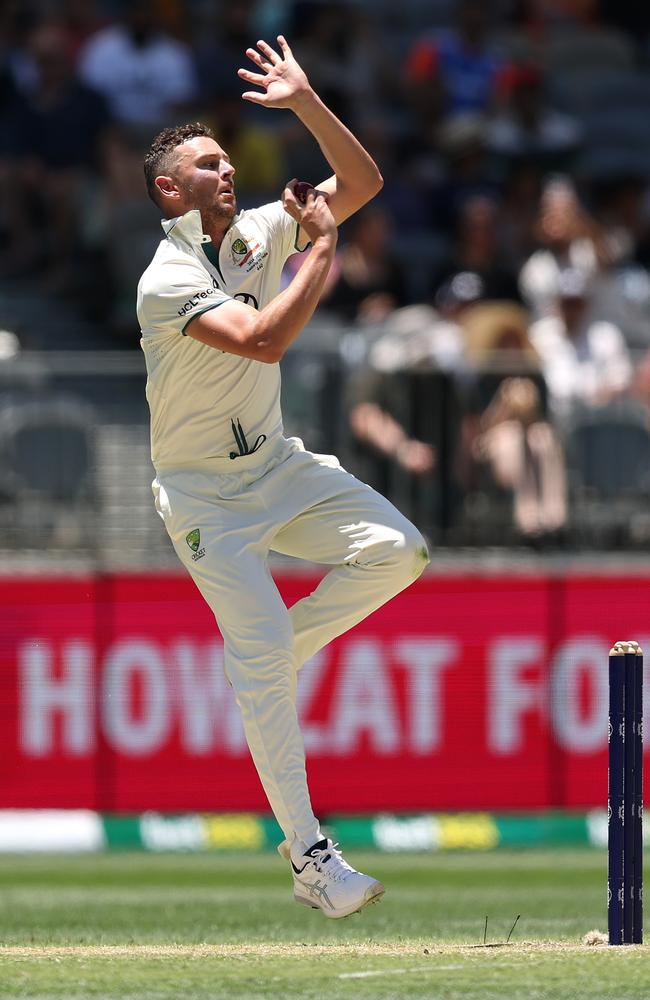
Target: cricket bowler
(229, 486)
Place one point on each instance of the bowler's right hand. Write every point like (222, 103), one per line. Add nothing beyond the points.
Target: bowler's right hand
(313, 215)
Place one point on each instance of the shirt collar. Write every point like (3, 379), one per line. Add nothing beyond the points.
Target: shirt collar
(188, 227)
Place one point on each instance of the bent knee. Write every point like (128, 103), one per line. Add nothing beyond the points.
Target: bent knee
(415, 552)
(409, 553)
(398, 547)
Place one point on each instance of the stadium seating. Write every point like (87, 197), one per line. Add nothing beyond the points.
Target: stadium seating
(46, 449)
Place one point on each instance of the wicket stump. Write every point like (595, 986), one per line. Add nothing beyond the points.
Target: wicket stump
(625, 795)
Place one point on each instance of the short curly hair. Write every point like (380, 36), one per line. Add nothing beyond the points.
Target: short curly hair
(158, 158)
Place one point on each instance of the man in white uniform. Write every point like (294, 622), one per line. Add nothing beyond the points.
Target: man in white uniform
(229, 486)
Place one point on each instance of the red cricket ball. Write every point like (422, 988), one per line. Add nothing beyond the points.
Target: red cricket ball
(301, 189)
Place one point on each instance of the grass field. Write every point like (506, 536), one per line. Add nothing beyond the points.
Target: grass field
(142, 927)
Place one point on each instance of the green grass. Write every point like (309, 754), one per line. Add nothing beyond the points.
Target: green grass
(142, 927)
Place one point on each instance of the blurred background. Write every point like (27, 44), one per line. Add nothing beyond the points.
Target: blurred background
(481, 351)
(481, 355)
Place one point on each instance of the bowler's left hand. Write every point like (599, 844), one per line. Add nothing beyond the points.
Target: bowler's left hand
(283, 81)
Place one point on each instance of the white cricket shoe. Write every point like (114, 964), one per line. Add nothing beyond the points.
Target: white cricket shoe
(326, 882)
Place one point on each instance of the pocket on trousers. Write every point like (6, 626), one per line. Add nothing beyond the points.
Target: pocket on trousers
(169, 506)
(161, 500)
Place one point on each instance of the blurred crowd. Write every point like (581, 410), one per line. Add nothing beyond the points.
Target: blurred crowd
(505, 264)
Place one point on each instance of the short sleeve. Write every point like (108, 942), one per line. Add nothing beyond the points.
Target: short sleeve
(173, 294)
(281, 230)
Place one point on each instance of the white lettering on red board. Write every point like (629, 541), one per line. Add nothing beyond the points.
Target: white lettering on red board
(387, 695)
(56, 689)
(512, 693)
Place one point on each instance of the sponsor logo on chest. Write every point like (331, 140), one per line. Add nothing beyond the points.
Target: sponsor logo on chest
(248, 253)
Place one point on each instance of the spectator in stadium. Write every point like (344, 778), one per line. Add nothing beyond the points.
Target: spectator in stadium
(367, 281)
(392, 411)
(123, 207)
(619, 206)
(59, 130)
(453, 72)
(81, 19)
(223, 34)
(524, 127)
(585, 361)
(622, 294)
(507, 441)
(341, 50)
(420, 337)
(524, 456)
(461, 169)
(344, 55)
(518, 211)
(8, 94)
(640, 383)
(145, 75)
(567, 237)
(477, 253)
(377, 425)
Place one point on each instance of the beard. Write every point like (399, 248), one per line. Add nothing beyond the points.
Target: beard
(217, 212)
(213, 211)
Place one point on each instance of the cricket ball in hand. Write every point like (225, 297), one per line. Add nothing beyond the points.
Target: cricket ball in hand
(301, 189)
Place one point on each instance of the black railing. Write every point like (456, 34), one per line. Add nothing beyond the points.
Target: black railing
(75, 472)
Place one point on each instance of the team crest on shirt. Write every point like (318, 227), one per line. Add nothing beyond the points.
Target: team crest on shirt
(193, 539)
(248, 254)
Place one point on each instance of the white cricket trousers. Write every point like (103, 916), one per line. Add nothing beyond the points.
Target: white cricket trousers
(223, 519)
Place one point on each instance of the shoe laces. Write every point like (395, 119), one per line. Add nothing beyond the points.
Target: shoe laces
(330, 862)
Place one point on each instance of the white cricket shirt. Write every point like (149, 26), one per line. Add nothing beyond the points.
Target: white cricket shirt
(204, 402)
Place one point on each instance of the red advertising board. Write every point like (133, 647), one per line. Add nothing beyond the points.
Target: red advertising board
(465, 692)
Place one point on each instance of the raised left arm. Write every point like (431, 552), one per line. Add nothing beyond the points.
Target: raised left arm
(284, 84)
